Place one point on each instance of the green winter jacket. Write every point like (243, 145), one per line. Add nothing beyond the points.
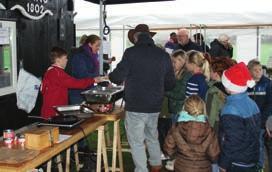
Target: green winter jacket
(176, 96)
(215, 99)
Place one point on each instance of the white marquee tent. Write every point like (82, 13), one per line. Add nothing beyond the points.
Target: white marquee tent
(174, 14)
(177, 12)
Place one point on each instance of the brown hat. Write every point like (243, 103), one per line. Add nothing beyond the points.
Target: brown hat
(139, 28)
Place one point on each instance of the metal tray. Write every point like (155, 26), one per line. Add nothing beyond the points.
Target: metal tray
(75, 110)
(61, 125)
(103, 94)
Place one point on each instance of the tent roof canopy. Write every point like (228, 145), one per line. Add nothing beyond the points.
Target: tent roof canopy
(112, 2)
(182, 13)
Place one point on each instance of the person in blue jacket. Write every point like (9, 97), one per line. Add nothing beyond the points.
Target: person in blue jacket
(240, 123)
(261, 93)
(84, 63)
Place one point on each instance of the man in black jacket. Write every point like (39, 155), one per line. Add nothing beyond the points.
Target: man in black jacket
(184, 41)
(221, 47)
(147, 72)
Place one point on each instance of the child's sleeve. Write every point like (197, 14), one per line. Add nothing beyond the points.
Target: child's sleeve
(170, 144)
(70, 82)
(213, 149)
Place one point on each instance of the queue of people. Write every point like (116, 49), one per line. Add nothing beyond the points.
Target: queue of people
(218, 108)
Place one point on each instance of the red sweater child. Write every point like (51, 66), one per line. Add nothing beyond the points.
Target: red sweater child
(55, 87)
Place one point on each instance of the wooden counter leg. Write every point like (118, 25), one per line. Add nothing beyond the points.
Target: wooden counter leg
(99, 148)
(60, 169)
(76, 157)
(119, 148)
(107, 135)
(105, 156)
(68, 158)
(49, 166)
(114, 147)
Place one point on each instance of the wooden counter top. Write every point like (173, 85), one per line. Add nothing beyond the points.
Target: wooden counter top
(89, 126)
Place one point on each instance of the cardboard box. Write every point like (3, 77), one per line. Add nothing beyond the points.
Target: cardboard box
(41, 137)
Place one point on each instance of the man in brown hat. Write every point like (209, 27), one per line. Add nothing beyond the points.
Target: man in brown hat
(140, 28)
(147, 72)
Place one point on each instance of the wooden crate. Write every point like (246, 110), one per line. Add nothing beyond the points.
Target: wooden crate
(42, 137)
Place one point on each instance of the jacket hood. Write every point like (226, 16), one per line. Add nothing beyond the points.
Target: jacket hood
(194, 132)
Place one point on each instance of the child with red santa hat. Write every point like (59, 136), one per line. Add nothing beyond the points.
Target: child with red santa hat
(240, 123)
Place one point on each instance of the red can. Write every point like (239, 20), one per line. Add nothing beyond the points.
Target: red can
(8, 134)
(8, 141)
(21, 139)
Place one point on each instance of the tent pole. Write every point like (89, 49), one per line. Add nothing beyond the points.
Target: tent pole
(258, 42)
(101, 25)
(205, 36)
(124, 38)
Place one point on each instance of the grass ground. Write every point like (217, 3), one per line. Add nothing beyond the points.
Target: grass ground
(127, 158)
(128, 162)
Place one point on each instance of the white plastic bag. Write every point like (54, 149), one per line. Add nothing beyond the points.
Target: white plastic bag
(27, 90)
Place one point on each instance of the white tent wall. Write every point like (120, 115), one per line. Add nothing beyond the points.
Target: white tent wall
(175, 14)
(244, 41)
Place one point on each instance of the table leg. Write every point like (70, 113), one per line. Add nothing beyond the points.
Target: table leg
(49, 166)
(119, 148)
(68, 158)
(104, 152)
(59, 163)
(114, 147)
(99, 148)
(107, 135)
(76, 157)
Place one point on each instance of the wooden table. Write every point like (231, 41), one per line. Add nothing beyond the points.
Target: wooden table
(116, 147)
(89, 126)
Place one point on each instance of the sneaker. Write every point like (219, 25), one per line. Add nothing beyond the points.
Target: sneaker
(170, 165)
(164, 157)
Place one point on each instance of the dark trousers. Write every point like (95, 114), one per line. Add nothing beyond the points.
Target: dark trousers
(164, 125)
(268, 144)
(242, 169)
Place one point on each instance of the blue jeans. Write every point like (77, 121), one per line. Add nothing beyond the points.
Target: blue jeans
(141, 129)
(215, 168)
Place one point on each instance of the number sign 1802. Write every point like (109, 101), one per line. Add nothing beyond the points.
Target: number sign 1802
(35, 8)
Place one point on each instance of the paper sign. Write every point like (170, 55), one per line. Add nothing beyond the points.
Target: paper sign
(4, 36)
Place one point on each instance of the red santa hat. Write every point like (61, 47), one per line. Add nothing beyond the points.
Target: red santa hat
(237, 78)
